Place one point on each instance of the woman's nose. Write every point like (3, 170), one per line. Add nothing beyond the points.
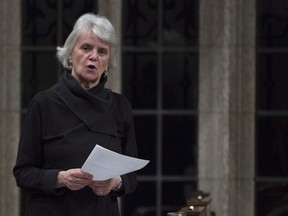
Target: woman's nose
(94, 56)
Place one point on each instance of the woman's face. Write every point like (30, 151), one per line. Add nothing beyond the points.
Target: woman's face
(89, 58)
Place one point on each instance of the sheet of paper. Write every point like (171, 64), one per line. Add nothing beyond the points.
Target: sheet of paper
(104, 164)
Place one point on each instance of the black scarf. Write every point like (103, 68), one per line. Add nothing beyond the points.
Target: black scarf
(92, 107)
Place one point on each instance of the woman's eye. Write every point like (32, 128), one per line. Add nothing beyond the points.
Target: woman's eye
(86, 48)
(102, 51)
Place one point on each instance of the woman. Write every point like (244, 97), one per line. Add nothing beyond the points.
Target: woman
(65, 122)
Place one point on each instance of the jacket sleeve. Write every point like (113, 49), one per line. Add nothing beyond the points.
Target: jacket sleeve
(28, 170)
(129, 148)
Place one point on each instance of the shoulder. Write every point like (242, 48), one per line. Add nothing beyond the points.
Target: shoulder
(121, 106)
(43, 95)
(43, 98)
(121, 100)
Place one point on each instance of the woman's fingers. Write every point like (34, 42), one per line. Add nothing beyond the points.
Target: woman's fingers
(75, 179)
(100, 191)
(102, 188)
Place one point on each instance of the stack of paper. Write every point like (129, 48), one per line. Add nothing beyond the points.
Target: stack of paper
(104, 164)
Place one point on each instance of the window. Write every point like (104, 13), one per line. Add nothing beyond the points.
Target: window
(160, 78)
(272, 108)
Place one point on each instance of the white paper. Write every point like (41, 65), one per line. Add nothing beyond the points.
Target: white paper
(104, 164)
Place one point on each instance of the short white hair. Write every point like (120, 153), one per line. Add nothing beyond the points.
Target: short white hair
(101, 26)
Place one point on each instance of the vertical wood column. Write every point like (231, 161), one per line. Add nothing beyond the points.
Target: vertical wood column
(227, 105)
(9, 103)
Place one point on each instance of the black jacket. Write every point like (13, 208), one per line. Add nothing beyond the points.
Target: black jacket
(61, 127)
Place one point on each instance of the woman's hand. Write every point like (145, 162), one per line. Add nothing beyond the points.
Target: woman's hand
(74, 179)
(102, 188)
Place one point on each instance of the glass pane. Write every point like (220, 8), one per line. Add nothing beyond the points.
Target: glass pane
(142, 202)
(145, 130)
(180, 23)
(39, 72)
(272, 148)
(175, 195)
(180, 89)
(272, 199)
(72, 10)
(39, 23)
(140, 79)
(179, 145)
(272, 22)
(272, 79)
(140, 23)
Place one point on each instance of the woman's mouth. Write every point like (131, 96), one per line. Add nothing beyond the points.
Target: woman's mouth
(92, 67)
